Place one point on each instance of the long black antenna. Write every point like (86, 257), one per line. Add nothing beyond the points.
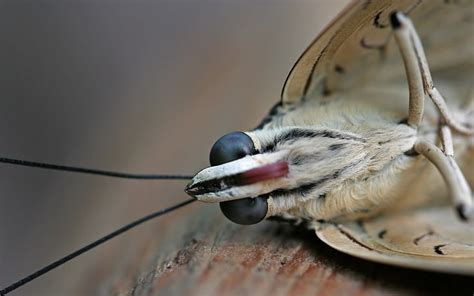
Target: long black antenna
(90, 246)
(92, 171)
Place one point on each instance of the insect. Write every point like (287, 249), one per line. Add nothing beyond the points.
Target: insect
(350, 152)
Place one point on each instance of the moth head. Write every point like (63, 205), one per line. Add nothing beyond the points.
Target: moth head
(248, 168)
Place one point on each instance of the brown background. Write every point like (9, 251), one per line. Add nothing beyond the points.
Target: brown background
(148, 86)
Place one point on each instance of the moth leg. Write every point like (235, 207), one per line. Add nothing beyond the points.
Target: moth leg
(460, 191)
(448, 149)
(419, 76)
(412, 71)
(468, 106)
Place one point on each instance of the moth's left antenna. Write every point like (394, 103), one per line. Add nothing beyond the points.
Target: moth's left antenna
(90, 246)
(73, 169)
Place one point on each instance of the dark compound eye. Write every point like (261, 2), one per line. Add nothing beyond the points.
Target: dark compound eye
(231, 147)
(245, 211)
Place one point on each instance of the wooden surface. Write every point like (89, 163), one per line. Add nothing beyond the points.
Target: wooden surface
(204, 254)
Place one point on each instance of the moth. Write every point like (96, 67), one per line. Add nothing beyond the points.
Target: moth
(371, 144)
(352, 148)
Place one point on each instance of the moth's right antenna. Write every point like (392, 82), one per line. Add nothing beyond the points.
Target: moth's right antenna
(73, 169)
(90, 246)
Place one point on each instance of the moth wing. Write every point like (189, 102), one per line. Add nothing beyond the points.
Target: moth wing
(357, 49)
(429, 239)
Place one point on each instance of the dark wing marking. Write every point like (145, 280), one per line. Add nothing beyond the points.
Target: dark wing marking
(417, 239)
(438, 250)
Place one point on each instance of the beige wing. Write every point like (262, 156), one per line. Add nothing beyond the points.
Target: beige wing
(431, 239)
(357, 50)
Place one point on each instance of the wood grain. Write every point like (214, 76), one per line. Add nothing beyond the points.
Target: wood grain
(211, 256)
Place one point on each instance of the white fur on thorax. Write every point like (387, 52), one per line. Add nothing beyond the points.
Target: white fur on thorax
(385, 174)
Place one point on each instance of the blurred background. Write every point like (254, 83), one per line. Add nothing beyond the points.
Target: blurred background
(137, 86)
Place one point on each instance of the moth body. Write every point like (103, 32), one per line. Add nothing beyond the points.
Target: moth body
(349, 178)
(348, 157)
(373, 129)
